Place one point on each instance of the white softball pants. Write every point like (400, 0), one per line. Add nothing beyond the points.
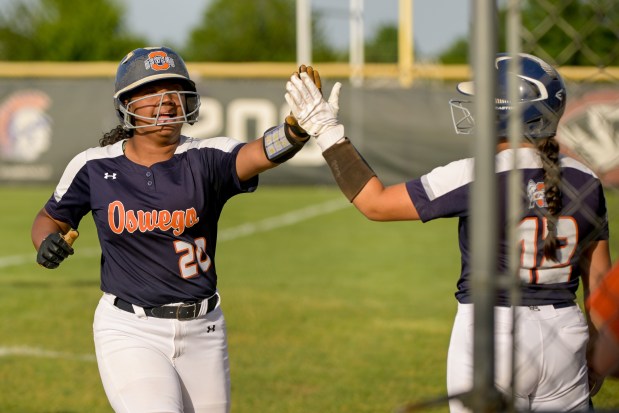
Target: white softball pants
(550, 360)
(153, 365)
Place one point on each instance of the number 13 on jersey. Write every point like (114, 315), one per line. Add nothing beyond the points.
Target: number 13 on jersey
(534, 268)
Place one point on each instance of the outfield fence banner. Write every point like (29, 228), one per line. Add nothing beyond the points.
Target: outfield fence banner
(402, 132)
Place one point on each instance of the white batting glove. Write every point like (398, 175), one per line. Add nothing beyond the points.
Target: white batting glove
(317, 116)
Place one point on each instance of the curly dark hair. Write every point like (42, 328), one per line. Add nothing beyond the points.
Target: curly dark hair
(117, 134)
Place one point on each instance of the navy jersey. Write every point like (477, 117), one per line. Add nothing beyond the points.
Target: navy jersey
(444, 192)
(157, 226)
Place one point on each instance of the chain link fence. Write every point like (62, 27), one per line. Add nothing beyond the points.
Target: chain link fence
(581, 39)
(584, 36)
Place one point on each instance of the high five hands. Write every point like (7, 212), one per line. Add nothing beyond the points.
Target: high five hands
(315, 77)
(315, 115)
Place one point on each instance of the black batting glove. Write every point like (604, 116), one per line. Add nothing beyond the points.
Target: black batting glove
(53, 250)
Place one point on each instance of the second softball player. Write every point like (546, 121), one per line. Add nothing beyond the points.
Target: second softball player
(563, 233)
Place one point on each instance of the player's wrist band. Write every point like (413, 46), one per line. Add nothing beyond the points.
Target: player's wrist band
(329, 138)
(185, 311)
(350, 170)
(280, 145)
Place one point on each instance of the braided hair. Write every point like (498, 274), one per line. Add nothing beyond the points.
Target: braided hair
(549, 151)
(117, 134)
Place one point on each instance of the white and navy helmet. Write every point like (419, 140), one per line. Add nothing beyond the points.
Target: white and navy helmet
(151, 64)
(541, 91)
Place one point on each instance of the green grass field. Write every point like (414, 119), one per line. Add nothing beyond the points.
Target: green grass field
(326, 311)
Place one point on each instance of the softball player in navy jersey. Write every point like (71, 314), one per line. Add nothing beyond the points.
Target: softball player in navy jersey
(563, 233)
(156, 197)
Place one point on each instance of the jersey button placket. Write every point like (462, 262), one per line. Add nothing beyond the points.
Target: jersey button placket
(150, 180)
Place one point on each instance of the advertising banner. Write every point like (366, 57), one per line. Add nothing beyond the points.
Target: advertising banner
(401, 132)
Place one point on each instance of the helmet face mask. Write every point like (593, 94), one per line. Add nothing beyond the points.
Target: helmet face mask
(541, 92)
(186, 99)
(148, 65)
(461, 115)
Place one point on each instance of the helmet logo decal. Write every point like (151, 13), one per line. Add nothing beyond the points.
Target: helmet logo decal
(158, 60)
(559, 95)
(537, 194)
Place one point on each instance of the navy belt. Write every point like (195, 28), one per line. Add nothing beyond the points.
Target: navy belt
(184, 311)
(564, 304)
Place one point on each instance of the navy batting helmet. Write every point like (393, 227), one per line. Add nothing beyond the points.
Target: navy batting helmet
(152, 64)
(542, 95)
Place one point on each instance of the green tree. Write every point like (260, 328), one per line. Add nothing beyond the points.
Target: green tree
(572, 33)
(383, 48)
(569, 33)
(65, 30)
(457, 53)
(260, 30)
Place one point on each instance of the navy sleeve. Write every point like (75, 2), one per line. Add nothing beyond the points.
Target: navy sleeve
(71, 198)
(443, 192)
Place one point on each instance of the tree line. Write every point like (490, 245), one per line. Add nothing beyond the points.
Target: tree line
(241, 31)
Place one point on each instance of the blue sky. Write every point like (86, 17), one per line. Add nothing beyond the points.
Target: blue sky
(436, 23)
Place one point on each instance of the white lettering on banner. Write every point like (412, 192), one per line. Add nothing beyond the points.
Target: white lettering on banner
(23, 172)
(240, 111)
(262, 112)
(210, 121)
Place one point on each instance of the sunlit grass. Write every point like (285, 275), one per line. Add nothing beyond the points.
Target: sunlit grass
(330, 314)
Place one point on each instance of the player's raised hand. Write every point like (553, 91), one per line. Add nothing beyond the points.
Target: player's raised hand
(315, 115)
(291, 121)
(55, 248)
(312, 74)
